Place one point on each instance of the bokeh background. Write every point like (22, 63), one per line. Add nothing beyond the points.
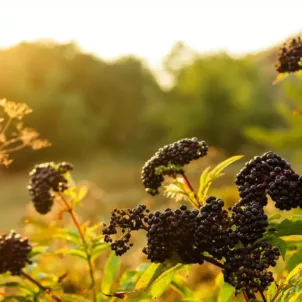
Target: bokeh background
(110, 82)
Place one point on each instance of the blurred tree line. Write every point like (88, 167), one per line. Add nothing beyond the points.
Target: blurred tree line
(85, 105)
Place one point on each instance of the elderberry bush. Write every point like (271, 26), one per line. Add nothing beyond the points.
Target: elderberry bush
(170, 160)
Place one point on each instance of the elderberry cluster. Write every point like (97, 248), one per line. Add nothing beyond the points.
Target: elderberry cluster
(170, 160)
(14, 251)
(126, 220)
(246, 268)
(187, 233)
(270, 174)
(45, 178)
(289, 56)
(250, 221)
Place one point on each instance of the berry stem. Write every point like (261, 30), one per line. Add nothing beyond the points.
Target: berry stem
(262, 296)
(189, 186)
(213, 261)
(41, 287)
(245, 296)
(78, 226)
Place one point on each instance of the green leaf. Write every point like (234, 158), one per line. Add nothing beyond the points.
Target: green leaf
(73, 298)
(295, 297)
(159, 286)
(207, 176)
(184, 291)
(203, 183)
(98, 250)
(37, 250)
(226, 293)
(294, 260)
(82, 193)
(289, 227)
(71, 235)
(19, 298)
(149, 275)
(220, 167)
(78, 253)
(271, 292)
(130, 278)
(297, 270)
(274, 217)
(110, 272)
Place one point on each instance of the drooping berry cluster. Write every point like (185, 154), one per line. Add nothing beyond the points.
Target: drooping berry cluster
(246, 268)
(126, 220)
(170, 160)
(289, 56)
(270, 174)
(187, 233)
(14, 252)
(45, 178)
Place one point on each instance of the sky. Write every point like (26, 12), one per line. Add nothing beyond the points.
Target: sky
(149, 28)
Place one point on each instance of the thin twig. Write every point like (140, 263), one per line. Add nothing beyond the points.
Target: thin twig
(245, 296)
(6, 126)
(213, 261)
(41, 287)
(189, 186)
(262, 296)
(78, 226)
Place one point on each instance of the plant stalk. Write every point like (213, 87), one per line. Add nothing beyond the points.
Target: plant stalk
(213, 261)
(41, 287)
(78, 226)
(189, 186)
(262, 296)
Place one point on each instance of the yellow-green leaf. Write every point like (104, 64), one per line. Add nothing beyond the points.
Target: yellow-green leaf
(110, 272)
(297, 270)
(159, 286)
(147, 277)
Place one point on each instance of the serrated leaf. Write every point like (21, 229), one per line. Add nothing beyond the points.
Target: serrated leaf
(159, 286)
(111, 271)
(226, 293)
(289, 227)
(151, 273)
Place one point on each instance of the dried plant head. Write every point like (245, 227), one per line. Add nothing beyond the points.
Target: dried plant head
(5, 160)
(30, 137)
(19, 136)
(15, 110)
